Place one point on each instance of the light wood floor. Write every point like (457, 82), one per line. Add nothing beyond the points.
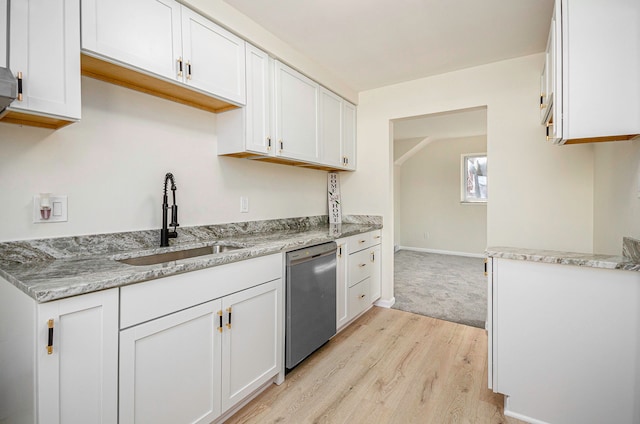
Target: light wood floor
(389, 366)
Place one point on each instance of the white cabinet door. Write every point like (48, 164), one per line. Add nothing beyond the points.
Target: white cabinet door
(252, 340)
(489, 324)
(170, 368)
(349, 137)
(258, 111)
(45, 51)
(595, 61)
(214, 59)
(77, 381)
(144, 34)
(249, 129)
(296, 115)
(331, 131)
(376, 272)
(554, 327)
(3, 33)
(342, 306)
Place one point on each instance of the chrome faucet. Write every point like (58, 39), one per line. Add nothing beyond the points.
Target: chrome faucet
(165, 234)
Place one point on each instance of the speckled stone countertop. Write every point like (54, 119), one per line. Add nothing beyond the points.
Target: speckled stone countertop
(50, 269)
(627, 262)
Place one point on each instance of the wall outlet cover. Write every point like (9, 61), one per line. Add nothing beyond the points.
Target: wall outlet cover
(58, 211)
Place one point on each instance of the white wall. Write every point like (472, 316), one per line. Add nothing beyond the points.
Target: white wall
(616, 198)
(541, 195)
(430, 199)
(112, 164)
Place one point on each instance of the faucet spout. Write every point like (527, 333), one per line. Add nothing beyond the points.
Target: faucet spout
(165, 233)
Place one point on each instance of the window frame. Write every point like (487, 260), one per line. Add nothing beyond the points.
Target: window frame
(464, 198)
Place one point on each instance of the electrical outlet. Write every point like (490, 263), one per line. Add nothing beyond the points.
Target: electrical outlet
(244, 204)
(426, 235)
(57, 205)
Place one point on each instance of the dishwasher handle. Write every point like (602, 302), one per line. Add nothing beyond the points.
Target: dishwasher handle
(311, 253)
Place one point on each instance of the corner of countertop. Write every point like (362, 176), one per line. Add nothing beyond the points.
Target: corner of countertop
(631, 248)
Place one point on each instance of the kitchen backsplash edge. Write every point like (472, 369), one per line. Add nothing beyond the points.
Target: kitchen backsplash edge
(109, 243)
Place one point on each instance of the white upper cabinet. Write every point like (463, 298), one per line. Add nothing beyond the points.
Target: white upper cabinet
(596, 63)
(141, 33)
(349, 136)
(337, 130)
(249, 129)
(296, 115)
(288, 119)
(331, 116)
(45, 55)
(214, 59)
(259, 113)
(164, 39)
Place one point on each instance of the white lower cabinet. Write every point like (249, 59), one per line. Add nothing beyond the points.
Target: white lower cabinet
(59, 359)
(342, 306)
(251, 351)
(359, 298)
(564, 342)
(170, 368)
(195, 364)
(77, 377)
(358, 275)
(375, 256)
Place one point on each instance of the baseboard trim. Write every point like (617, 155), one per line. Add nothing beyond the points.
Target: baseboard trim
(521, 417)
(443, 252)
(386, 303)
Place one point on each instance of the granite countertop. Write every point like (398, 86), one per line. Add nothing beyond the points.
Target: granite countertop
(50, 269)
(629, 261)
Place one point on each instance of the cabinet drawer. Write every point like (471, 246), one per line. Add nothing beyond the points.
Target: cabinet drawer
(359, 298)
(152, 299)
(360, 266)
(364, 240)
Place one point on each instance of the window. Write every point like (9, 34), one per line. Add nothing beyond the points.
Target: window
(474, 178)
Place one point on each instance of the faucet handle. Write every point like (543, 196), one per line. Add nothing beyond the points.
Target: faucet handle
(174, 216)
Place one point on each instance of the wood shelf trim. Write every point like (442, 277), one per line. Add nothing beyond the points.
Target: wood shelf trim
(283, 161)
(34, 120)
(624, 137)
(112, 73)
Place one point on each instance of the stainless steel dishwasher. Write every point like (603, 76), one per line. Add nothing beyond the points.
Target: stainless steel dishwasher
(310, 301)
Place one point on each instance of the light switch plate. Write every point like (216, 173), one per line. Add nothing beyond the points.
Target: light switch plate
(244, 204)
(58, 209)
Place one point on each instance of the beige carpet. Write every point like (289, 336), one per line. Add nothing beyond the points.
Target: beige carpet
(452, 288)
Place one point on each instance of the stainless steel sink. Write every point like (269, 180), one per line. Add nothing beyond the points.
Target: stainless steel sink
(159, 258)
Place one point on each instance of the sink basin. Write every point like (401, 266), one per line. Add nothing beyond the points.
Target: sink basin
(177, 255)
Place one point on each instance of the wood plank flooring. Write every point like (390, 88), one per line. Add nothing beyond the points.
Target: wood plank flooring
(389, 366)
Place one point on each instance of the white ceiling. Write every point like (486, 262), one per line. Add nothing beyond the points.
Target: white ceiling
(373, 43)
(437, 126)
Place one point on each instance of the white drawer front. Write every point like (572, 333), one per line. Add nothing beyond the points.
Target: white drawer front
(364, 240)
(359, 298)
(152, 299)
(360, 266)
